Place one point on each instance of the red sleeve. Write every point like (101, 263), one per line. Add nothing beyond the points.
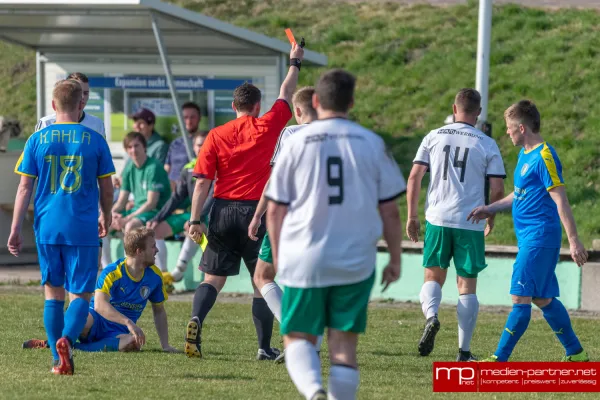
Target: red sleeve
(206, 166)
(278, 116)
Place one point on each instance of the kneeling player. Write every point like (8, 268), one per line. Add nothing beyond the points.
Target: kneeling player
(122, 291)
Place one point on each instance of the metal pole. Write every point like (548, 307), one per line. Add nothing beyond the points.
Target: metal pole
(39, 85)
(167, 68)
(483, 56)
(107, 115)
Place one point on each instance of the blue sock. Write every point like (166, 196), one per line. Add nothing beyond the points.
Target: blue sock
(558, 318)
(75, 319)
(107, 344)
(54, 321)
(516, 325)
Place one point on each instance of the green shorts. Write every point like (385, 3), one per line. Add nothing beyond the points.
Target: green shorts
(143, 217)
(177, 221)
(466, 247)
(310, 310)
(265, 250)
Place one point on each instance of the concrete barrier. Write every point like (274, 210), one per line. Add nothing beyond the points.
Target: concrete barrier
(493, 286)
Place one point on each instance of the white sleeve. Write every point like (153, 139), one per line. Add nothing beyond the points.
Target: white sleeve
(495, 165)
(281, 188)
(391, 182)
(39, 126)
(282, 136)
(422, 156)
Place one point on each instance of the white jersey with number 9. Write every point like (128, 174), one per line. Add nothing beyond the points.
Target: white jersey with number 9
(332, 174)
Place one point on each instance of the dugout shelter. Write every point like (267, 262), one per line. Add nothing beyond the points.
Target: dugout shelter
(139, 53)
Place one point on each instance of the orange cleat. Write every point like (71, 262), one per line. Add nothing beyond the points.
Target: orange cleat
(65, 355)
(36, 344)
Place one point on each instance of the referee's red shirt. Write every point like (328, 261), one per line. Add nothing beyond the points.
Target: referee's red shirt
(239, 153)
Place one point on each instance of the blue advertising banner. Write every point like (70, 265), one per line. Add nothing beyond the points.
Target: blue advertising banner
(160, 82)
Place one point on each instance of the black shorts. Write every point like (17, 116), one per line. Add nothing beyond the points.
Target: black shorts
(228, 241)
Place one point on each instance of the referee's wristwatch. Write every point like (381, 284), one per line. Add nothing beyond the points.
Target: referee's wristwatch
(295, 62)
(195, 222)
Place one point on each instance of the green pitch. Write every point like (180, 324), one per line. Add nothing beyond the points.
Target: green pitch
(390, 366)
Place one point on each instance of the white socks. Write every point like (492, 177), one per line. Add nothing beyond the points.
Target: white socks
(431, 297)
(343, 382)
(272, 294)
(304, 367)
(187, 252)
(466, 312)
(161, 257)
(106, 254)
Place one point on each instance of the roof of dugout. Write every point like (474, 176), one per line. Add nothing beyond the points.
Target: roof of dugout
(125, 27)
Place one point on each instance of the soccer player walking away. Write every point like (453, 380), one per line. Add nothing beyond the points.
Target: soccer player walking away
(70, 162)
(238, 153)
(459, 157)
(539, 204)
(333, 185)
(264, 276)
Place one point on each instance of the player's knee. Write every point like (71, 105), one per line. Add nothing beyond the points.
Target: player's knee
(263, 274)
(133, 224)
(466, 285)
(127, 343)
(435, 274)
(521, 299)
(541, 302)
(215, 281)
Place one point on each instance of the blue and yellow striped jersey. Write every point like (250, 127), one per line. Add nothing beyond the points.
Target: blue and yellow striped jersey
(535, 215)
(67, 159)
(128, 296)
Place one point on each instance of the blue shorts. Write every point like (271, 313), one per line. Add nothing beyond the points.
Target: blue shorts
(534, 273)
(103, 329)
(74, 267)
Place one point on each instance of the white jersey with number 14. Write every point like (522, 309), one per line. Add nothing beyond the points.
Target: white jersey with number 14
(459, 157)
(332, 174)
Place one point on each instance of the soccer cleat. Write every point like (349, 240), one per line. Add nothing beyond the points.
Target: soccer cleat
(36, 344)
(280, 358)
(465, 356)
(193, 338)
(320, 395)
(582, 356)
(432, 326)
(492, 358)
(269, 354)
(65, 356)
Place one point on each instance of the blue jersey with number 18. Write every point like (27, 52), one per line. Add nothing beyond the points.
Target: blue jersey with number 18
(67, 159)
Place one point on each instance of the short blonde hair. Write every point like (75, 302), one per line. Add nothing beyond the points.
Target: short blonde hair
(526, 113)
(67, 95)
(303, 100)
(136, 240)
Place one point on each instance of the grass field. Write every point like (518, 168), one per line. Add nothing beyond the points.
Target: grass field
(411, 60)
(390, 366)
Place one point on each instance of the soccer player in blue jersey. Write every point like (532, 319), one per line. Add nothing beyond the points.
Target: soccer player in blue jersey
(122, 293)
(539, 205)
(71, 164)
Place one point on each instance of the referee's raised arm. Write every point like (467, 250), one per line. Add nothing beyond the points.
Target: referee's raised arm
(288, 87)
(239, 154)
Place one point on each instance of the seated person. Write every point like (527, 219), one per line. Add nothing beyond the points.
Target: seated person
(122, 292)
(145, 178)
(166, 224)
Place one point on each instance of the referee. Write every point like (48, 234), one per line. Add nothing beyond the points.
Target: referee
(238, 153)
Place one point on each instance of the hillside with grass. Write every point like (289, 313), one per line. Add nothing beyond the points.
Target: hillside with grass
(411, 60)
